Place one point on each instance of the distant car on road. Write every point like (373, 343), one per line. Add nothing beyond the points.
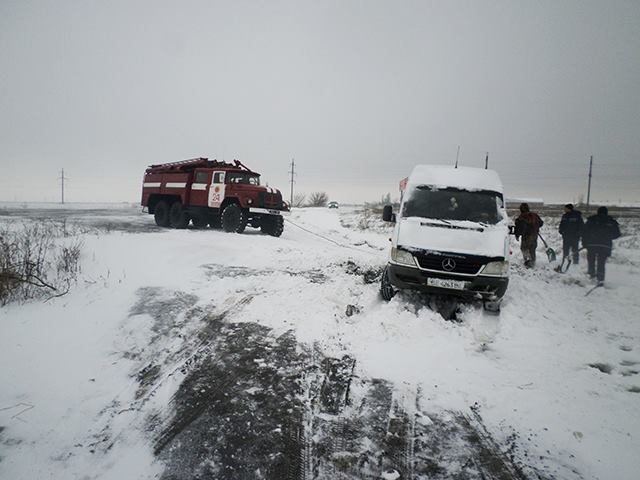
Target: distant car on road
(333, 205)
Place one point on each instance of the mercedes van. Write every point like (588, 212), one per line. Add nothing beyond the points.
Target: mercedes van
(451, 235)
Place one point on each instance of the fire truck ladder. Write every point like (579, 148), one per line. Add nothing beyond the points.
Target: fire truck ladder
(193, 163)
(182, 165)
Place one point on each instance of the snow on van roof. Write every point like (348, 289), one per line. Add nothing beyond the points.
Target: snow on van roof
(468, 178)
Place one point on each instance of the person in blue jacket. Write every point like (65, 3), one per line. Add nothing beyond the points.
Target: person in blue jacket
(597, 236)
(571, 229)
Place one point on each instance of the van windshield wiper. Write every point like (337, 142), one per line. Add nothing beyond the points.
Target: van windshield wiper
(447, 224)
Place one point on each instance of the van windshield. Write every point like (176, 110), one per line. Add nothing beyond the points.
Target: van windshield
(449, 203)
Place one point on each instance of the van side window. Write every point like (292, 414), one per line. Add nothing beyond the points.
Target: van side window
(201, 177)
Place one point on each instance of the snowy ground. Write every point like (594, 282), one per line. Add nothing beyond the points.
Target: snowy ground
(201, 354)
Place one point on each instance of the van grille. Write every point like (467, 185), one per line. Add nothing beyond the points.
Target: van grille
(430, 261)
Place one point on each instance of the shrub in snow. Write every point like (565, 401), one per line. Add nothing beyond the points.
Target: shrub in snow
(37, 260)
(318, 199)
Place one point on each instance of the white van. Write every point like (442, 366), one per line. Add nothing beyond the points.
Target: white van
(451, 235)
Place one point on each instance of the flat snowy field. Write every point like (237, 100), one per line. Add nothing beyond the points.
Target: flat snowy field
(201, 354)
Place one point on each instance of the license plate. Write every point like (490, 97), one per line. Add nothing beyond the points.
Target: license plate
(446, 283)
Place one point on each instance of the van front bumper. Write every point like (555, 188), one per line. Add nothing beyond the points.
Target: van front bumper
(477, 287)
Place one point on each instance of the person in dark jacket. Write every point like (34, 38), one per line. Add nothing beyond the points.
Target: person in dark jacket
(571, 228)
(597, 236)
(527, 226)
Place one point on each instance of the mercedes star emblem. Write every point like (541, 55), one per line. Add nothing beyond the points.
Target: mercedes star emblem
(448, 264)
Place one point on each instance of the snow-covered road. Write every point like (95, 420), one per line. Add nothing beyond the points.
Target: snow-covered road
(196, 352)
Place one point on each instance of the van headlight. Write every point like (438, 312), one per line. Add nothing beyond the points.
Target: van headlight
(496, 268)
(402, 256)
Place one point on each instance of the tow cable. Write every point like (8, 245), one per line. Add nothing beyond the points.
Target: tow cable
(332, 240)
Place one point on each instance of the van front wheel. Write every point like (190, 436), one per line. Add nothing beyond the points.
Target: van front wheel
(386, 289)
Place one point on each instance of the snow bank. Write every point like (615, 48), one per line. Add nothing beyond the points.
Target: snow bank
(555, 377)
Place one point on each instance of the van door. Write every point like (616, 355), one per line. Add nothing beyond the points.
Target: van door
(216, 191)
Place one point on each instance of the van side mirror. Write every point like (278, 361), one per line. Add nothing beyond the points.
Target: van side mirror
(387, 214)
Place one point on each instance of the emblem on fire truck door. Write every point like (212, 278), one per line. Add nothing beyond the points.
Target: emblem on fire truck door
(216, 190)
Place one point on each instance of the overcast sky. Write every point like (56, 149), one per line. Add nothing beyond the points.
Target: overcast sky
(358, 92)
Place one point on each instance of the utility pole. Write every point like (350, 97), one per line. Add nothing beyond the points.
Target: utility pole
(62, 179)
(486, 162)
(457, 156)
(589, 185)
(292, 172)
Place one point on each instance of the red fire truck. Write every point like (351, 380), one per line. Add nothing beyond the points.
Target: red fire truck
(209, 192)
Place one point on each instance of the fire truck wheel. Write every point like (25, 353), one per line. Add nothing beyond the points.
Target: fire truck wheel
(161, 214)
(272, 225)
(178, 218)
(199, 222)
(234, 218)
